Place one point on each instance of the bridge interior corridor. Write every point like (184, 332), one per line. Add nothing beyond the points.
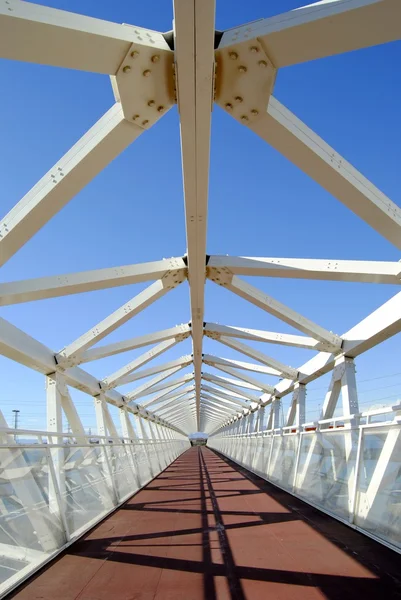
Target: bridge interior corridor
(208, 529)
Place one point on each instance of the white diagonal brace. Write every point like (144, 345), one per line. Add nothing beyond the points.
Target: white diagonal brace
(180, 408)
(380, 325)
(54, 286)
(254, 382)
(20, 347)
(282, 312)
(173, 393)
(115, 378)
(231, 397)
(292, 138)
(178, 402)
(321, 29)
(92, 153)
(224, 402)
(152, 389)
(39, 34)
(284, 370)
(194, 33)
(214, 331)
(163, 399)
(209, 359)
(221, 382)
(365, 271)
(180, 332)
(183, 361)
(152, 382)
(70, 355)
(217, 408)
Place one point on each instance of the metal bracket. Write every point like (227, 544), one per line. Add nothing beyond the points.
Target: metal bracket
(144, 83)
(245, 79)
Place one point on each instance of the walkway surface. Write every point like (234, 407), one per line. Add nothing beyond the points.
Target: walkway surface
(207, 529)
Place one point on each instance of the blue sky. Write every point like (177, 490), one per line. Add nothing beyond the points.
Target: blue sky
(259, 204)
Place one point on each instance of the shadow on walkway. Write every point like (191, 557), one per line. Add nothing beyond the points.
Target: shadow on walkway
(207, 529)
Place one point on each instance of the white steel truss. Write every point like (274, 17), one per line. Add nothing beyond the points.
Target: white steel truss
(194, 67)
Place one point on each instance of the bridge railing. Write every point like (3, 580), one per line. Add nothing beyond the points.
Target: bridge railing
(348, 467)
(54, 487)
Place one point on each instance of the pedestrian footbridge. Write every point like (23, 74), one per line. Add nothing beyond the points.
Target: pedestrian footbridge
(275, 501)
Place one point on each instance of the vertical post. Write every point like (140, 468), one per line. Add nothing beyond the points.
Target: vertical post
(101, 423)
(57, 486)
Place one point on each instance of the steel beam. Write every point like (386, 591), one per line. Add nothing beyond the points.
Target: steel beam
(318, 30)
(194, 33)
(71, 353)
(281, 311)
(54, 286)
(39, 34)
(365, 271)
(292, 138)
(92, 153)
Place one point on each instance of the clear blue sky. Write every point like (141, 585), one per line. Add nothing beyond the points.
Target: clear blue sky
(259, 205)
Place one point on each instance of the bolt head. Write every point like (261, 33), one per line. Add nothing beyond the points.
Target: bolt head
(145, 122)
(242, 69)
(254, 112)
(155, 58)
(262, 63)
(135, 117)
(238, 99)
(160, 109)
(134, 53)
(228, 106)
(151, 103)
(126, 69)
(233, 55)
(244, 118)
(254, 49)
(146, 73)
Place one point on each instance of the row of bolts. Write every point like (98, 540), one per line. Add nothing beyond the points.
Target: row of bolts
(233, 55)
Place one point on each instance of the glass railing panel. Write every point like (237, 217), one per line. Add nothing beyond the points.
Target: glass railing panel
(326, 469)
(378, 503)
(87, 488)
(30, 526)
(283, 459)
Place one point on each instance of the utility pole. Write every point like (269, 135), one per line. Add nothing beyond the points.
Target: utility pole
(16, 412)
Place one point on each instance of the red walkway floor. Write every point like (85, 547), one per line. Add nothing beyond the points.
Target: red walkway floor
(206, 529)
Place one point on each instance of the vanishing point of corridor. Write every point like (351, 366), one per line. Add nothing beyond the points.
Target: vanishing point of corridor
(207, 529)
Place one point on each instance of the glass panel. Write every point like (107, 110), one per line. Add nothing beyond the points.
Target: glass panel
(326, 469)
(86, 485)
(378, 506)
(122, 467)
(283, 460)
(30, 528)
(142, 462)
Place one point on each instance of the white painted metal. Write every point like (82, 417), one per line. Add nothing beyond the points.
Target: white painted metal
(214, 331)
(209, 359)
(246, 62)
(151, 387)
(94, 151)
(115, 378)
(130, 309)
(290, 136)
(194, 65)
(280, 310)
(180, 333)
(320, 29)
(89, 281)
(222, 382)
(260, 356)
(38, 34)
(181, 362)
(365, 271)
